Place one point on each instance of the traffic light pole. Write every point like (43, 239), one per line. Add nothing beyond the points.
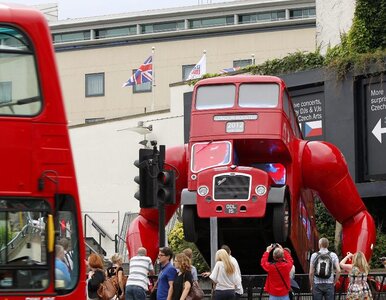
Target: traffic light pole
(161, 222)
(160, 157)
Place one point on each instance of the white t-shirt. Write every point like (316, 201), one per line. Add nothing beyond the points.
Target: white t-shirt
(239, 289)
(222, 279)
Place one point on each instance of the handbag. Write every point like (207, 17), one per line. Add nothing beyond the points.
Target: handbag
(195, 293)
(290, 292)
(107, 290)
(153, 294)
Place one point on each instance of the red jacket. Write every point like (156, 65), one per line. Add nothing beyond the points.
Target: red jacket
(274, 285)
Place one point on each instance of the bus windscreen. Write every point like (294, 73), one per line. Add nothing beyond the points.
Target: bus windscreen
(19, 88)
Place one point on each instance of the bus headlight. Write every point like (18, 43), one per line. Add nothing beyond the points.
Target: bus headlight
(203, 190)
(261, 190)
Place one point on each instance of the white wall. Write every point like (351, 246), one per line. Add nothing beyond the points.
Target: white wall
(104, 155)
(333, 17)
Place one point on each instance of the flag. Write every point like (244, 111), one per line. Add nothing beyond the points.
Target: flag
(143, 74)
(229, 70)
(199, 69)
(313, 128)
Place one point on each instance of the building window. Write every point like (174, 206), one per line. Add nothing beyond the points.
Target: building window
(5, 92)
(241, 63)
(186, 69)
(143, 87)
(210, 22)
(161, 27)
(262, 17)
(115, 32)
(72, 36)
(95, 84)
(302, 13)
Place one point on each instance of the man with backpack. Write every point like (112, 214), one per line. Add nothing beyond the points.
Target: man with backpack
(321, 275)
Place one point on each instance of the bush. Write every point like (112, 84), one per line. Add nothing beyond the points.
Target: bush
(178, 244)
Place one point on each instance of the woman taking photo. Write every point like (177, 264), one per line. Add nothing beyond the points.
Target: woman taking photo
(184, 279)
(358, 288)
(225, 277)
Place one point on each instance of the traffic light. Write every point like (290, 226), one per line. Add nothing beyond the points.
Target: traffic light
(147, 179)
(166, 181)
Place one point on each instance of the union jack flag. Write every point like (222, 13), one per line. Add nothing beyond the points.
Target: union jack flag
(229, 70)
(143, 74)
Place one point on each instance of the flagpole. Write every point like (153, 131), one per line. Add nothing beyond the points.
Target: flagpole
(153, 82)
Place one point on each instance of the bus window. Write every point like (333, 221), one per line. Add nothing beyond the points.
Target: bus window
(210, 154)
(19, 88)
(215, 96)
(262, 95)
(67, 245)
(23, 251)
(286, 104)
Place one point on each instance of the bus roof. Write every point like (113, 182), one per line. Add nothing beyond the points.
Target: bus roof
(240, 79)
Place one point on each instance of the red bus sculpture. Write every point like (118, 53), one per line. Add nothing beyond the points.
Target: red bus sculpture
(247, 164)
(39, 202)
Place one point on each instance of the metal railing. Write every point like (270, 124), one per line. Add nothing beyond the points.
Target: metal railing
(98, 228)
(254, 287)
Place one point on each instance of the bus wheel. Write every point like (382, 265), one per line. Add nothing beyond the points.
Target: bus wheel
(281, 221)
(189, 221)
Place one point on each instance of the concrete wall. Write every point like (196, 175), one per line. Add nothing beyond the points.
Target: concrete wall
(333, 17)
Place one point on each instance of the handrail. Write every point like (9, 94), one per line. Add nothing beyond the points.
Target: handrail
(98, 228)
(118, 237)
(18, 239)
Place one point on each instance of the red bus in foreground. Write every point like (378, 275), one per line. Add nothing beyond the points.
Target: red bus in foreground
(39, 202)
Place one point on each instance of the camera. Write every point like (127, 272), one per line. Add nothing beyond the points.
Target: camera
(274, 245)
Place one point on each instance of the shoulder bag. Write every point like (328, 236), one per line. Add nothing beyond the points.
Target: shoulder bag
(107, 290)
(195, 292)
(290, 292)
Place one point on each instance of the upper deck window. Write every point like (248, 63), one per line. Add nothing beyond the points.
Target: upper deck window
(215, 96)
(261, 95)
(19, 89)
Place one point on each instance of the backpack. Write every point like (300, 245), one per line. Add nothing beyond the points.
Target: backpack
(323, 265)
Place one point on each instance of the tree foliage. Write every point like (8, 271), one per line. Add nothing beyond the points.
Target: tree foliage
(178, 244)
(368, 31)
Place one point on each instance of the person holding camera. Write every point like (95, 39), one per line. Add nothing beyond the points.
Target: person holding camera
(278, 282)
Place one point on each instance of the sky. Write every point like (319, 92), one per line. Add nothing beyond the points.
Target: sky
(69, 9)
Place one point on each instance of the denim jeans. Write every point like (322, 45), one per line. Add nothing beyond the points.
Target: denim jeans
(224, 295)
(286, 297)
(134, 292)
(323, 291)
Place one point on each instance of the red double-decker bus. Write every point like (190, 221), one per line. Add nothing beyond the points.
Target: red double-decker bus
(248, 166)
(39, 202)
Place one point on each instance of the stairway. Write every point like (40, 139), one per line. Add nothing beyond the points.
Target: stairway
(91, 243)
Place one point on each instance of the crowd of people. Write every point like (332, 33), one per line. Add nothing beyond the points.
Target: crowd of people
(177, 275)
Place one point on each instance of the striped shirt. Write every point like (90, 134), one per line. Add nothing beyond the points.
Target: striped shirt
(140, 266)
